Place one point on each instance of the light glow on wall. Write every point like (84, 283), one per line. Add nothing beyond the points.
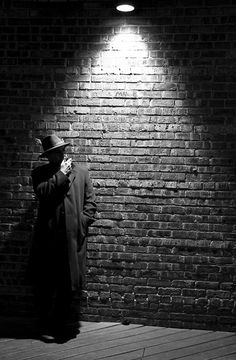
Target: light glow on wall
(123, 48)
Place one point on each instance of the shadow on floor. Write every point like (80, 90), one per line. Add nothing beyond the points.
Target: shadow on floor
(18, 328)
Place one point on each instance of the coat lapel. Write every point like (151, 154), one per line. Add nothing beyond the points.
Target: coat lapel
(72, 177)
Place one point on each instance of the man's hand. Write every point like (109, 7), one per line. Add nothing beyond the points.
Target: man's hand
(66, 166)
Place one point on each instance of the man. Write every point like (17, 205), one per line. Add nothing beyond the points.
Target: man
(57, 267)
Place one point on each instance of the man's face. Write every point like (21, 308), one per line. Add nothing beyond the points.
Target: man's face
(56, 156)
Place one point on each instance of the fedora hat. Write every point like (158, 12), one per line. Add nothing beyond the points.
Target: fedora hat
(52, 142)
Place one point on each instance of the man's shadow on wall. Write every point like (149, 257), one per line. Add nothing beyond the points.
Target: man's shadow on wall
(17, 316)
(18, 328)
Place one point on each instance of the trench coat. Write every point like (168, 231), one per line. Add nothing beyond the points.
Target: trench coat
(66, 206)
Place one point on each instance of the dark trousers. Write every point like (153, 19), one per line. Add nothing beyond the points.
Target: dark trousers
(58, 306)
(58, 309)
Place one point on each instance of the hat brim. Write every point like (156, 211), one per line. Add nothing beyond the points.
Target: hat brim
(53, 148)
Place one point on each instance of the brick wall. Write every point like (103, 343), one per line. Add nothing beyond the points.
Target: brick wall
(148, 102)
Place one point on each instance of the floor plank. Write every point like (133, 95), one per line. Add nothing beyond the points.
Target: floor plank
(114, 341)
(95, 340)
(227, 357)
(93, 344)
(190, 346)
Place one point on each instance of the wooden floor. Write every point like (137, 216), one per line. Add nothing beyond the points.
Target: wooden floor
(113, 341)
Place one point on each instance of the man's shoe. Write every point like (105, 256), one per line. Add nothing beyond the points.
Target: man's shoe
(47, 338)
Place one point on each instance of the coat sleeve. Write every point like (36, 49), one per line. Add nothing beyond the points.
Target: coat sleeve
(49, 187)
(89, 207)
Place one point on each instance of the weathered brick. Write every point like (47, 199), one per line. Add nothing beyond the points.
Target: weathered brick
(156, 127)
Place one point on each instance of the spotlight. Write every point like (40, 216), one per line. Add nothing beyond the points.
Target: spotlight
(125, 6)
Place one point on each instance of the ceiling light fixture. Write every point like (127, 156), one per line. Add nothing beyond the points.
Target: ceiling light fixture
(125, 6)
